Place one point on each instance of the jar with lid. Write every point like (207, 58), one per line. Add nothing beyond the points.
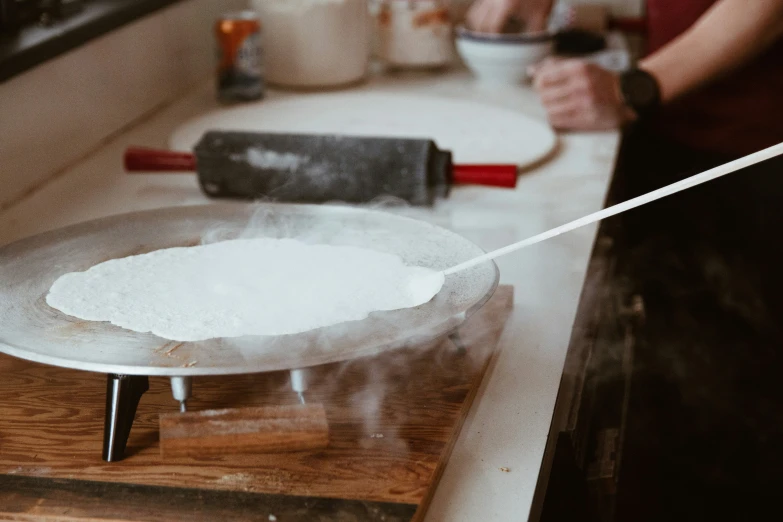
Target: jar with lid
(314, 43)
(414, 33)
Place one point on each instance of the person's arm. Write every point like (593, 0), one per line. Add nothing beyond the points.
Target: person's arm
(578, 95)
(729, 34)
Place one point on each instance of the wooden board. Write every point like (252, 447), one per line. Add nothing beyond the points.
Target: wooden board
(393, 421)
(256, 429)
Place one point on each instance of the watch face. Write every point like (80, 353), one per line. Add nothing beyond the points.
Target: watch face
(640, 89)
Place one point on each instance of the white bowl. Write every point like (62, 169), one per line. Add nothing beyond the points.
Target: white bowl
(502, 58)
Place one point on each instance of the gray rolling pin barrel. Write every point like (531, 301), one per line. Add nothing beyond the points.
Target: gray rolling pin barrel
(305, 168)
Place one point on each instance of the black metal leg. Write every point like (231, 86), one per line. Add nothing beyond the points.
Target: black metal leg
(123, 393)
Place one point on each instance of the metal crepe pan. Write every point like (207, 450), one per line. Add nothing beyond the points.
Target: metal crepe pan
(32, 330)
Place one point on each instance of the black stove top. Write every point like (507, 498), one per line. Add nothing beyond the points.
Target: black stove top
(671, 405)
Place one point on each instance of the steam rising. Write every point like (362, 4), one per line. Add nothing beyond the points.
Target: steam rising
(379, 376)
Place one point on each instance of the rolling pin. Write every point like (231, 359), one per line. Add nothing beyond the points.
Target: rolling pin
(319, 168)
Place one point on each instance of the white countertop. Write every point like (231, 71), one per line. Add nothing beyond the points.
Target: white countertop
(509, 421)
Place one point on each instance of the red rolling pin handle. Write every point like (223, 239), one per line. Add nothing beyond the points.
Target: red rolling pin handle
(491, 175)
(139, 159)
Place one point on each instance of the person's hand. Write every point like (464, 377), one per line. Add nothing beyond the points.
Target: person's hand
(490, 16)
(580, 95)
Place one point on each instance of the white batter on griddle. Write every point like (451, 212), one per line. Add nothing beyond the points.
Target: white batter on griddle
(242, 287)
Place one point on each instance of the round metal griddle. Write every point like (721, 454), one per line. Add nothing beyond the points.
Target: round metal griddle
(30, 329)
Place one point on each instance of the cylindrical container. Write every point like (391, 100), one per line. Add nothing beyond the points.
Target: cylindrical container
(240, 69)
(414, 33)
(314, 43)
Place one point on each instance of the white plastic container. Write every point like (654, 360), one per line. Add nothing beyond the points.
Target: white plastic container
(414, 33)
(314, 43)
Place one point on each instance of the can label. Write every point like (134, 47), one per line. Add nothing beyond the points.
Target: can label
(248, 59)
(240, 74)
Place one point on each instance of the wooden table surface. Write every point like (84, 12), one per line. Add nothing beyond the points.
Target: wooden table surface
(393, 421)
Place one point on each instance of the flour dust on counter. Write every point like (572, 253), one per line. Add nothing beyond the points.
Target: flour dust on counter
(240, 287)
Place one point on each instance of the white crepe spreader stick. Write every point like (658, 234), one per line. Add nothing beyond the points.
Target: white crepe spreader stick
(638, 201)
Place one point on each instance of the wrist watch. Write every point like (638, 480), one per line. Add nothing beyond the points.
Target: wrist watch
(640, 91)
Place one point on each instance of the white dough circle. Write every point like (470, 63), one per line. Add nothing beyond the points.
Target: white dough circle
(261, 286)
(474, 132)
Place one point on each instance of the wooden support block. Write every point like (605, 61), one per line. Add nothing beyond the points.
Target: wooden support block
(261, 429)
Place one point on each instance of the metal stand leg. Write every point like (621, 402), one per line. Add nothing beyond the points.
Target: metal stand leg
(181, 389)
(123, 393)
(299, 383)
(456, 340)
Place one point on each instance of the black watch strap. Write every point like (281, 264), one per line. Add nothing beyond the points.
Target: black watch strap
(640, 91)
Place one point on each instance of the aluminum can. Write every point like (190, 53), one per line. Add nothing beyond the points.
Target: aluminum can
(240, 75)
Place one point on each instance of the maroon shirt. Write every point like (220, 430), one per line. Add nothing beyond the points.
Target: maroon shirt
(737, 114)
